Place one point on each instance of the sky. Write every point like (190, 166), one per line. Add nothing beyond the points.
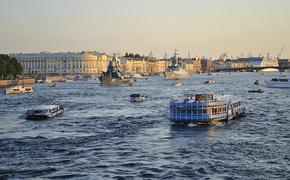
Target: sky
(199, 27)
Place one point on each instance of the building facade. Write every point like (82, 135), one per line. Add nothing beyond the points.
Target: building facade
(206, 65)
(143, 66)
(88, 63)
(191, 65)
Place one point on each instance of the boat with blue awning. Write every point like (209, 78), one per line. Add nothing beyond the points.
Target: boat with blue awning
(204, 108)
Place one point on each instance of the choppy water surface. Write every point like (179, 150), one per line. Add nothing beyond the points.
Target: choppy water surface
(102, 135)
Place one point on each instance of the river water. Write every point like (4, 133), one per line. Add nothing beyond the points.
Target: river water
(101, 135)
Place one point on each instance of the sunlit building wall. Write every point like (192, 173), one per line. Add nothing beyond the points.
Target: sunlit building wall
(63, 63)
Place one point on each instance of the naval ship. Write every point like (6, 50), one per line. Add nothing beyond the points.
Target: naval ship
(174, 71)
(113, 75)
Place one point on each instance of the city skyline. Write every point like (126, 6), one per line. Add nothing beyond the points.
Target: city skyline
(203, 28)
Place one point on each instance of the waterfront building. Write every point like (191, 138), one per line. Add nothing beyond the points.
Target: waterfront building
(240, 63)
(256, 62)
(157, 66)
(237, 63)
(88, 63)
(206, 65)
(143, 65)
(134, 65)
(191, 65)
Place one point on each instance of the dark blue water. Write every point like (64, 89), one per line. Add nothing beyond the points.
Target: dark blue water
(101, 135)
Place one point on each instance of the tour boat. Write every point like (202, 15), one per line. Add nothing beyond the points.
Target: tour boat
(175, 72)
(113, 75)
(279, 82)
(45, 111)
(19, 90)
(204, 109)
(137, 97)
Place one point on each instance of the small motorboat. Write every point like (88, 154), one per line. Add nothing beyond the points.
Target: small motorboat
(131, 83)
(45, 111)
(256, 91)
(177, 84)
(256, 82)
(19, 90)
(211, 81)
(137, 97)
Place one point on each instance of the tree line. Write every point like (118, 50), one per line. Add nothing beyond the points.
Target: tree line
(10, 68)
(131, 55)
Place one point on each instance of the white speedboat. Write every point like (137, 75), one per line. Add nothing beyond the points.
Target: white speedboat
(69, 80)
(177, 84)
(137, 97)
(211, 81)
(19, 90)
(279, 82)
(44, 111)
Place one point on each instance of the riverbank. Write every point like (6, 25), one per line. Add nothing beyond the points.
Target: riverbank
(4, 83)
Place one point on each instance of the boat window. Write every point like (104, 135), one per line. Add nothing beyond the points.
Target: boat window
(283, 80)
(274, 79)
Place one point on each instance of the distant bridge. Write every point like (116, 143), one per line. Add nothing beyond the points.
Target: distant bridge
(251, 69)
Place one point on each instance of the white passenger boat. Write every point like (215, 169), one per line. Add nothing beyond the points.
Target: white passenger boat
(279, 82)
(137, 97)
(19, 90)
(45, 111)
(204, 109)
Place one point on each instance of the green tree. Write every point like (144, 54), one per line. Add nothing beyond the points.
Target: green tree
(9, 67)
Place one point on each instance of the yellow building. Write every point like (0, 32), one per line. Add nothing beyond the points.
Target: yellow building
(143, 66)
(191, 65)
(63, 63)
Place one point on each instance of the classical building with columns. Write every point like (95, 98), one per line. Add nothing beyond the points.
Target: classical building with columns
(86, 63)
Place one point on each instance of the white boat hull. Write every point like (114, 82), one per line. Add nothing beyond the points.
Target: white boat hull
(137, 99)
(176, 75)
(278, 84)
(19, 90)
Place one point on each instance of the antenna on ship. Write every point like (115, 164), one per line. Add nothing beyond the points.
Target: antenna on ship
(279, 55)
(165, 56)
(175, 52)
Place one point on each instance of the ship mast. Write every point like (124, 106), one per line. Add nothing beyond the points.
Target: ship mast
(175, 59)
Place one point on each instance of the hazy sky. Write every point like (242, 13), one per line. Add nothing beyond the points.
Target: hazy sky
(201, 27)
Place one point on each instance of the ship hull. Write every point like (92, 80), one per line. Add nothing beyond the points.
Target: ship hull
(176, 75)
(113, 81)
